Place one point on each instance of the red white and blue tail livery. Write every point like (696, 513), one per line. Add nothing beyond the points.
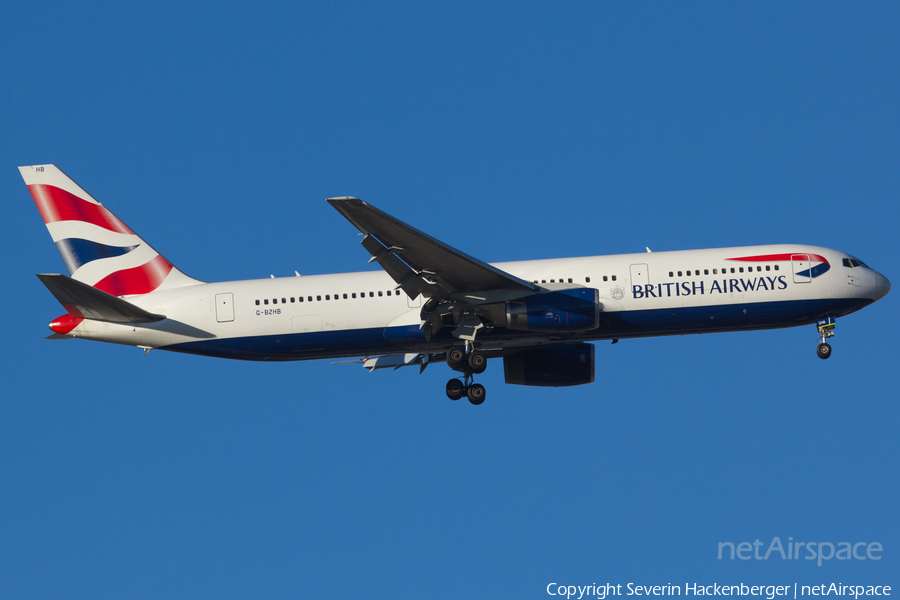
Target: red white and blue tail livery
(431, 302)
(97, 248)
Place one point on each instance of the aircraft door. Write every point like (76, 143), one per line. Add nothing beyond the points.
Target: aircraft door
(640, 274)
(802, 268)
(225, 308)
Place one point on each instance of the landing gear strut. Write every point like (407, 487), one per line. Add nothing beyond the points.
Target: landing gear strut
(470, 362)
(826, 330)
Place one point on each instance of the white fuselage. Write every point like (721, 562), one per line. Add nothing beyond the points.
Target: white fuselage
(356, 314)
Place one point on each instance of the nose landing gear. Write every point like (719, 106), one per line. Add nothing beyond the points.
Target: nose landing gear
(826, 330)
(470, 362)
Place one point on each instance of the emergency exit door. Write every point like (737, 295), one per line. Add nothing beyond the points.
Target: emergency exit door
(802, 267)
(225, 307)
(640, 275)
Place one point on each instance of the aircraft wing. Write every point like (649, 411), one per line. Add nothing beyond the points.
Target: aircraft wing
(423, 265)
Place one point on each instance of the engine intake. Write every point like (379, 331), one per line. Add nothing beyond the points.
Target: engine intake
(561, 310)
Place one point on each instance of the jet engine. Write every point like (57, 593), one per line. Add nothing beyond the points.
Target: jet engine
(575, 309)
(551, 366)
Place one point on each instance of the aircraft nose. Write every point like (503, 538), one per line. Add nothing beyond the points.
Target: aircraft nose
(882, 286)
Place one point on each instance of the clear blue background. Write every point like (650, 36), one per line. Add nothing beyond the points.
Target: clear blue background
(511, 131)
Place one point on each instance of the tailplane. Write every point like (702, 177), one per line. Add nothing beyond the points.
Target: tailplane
(97, 248)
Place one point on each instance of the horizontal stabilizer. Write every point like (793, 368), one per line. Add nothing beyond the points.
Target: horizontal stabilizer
(82, 300)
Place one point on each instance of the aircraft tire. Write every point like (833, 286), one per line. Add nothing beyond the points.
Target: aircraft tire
(456, 357)
(823, 351)
(455, 389)
(477, 362)
(476, 393)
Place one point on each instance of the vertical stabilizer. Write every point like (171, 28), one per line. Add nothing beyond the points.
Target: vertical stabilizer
(97, 248)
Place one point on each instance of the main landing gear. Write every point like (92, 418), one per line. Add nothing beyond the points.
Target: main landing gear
(826, 330)
(471, 362)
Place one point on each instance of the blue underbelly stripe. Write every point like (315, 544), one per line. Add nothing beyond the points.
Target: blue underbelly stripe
(625, 324)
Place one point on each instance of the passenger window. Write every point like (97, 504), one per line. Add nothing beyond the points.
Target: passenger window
(284, 301)
(688, 273)
(257, 302)
(604, 278)
(543, 281)
(328, 296)
(768, 267)
(732, 269)
(345, 296)
(776, 267)
(614, 278)
(679, 273)
(300, 298)
(389, 292)
(740, 269)
(292, 299)
(552, 281)
(587, 279)
(670, 273)
(697, 272)
(309, 298)
(371, 294)
(380, 294)
(318, 298)
(266, 301)
(353, 295)
(570, 280)
(706, 271)
(715, 271)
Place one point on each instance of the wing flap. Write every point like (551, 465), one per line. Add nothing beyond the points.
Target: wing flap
(82, 300)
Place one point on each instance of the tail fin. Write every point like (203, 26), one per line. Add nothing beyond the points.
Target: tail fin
(97, 248)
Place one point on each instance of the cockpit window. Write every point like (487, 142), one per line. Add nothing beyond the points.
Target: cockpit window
(854, 262)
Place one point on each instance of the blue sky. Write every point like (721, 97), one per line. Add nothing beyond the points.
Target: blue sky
(510, 131)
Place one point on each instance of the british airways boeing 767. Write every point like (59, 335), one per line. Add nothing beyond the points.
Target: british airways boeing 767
(433, 303)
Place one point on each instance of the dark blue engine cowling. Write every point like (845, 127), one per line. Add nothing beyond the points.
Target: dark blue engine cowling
(551, 366)
(563, 310)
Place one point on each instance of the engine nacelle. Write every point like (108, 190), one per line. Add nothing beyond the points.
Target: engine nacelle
(576, 309)
(551, 366)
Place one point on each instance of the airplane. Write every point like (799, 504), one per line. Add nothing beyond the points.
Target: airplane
(431, 303)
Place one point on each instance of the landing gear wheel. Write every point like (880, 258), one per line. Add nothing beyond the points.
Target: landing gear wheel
(455, 389)
(477, 362)
(823, 351)
(476, 393)
(456, 357)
